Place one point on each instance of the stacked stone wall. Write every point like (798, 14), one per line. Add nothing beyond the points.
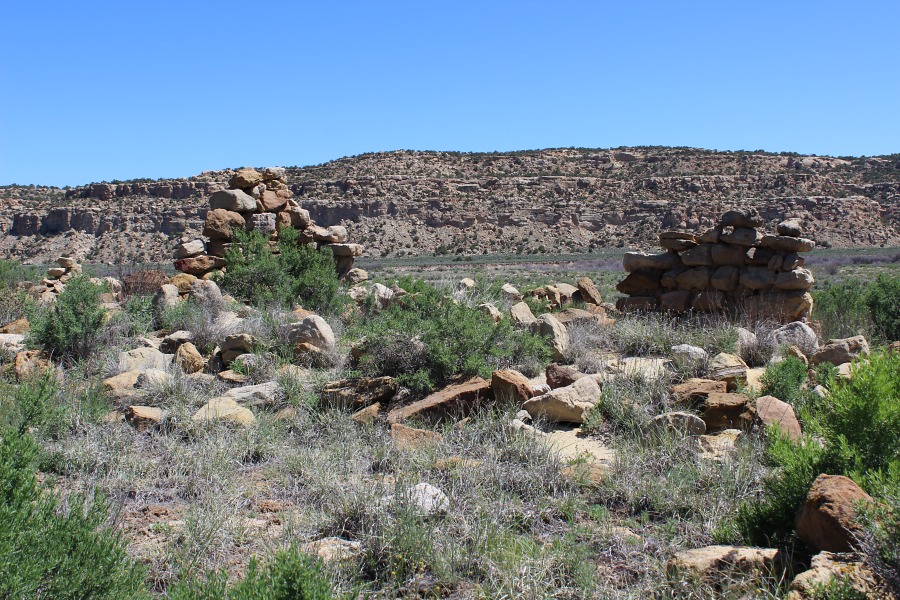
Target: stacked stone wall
(259, 201)
(735, 266)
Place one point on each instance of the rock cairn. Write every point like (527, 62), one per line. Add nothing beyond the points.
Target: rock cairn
(53, 285)
(258, 201)
(735, 266)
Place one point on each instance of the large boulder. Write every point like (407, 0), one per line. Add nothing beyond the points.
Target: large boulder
(141, 359)
(454, 401)
(189, 358)
(568, 404)
(838, 352)
(827, 520)
(685, 356)
(683, 423)
(509, 384)
(589, 292)
(713, 562)
(261, 394)
(359, 392)
(770, 411)
(849, 568)
(144, 418)
(206, 292)
(313, 330)
(634, 261)
(729, 368)
(247, 177)
(233, 200)
(797, 334)
(521, 314)
(726, 411)
(694, 392)
(559, 376)
(224, 410)
(549, 327)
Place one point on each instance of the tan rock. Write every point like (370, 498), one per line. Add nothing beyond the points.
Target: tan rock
(521, 314)
(30, 363)
(841, 351)
(230, 376)
(567, 404)
(827, 520)
(183, 281)
(453, 401)
(224, 410)
(368, 414)
(199, 265)
(189, 358)
(18, 327)
(729, 368)
(121, 384)
(245, 178)
(683, 423)
(549, 327)
(333, 549)
(144, 418)
(713, 562)
(827, 568)
(726, 411)
(718, 447)
(589, 292)
(770, 411)
(491, 311)
(409, 438)
(634, 261)
(510, 385)
(559, 376)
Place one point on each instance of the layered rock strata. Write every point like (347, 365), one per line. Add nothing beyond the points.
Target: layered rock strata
(734, 266)
(262, 202)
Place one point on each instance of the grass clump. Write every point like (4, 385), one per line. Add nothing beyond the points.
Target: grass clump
(72, 326)
(290, 575)
(858, 425)
(48, 552)
(426, 339)
(296, 274)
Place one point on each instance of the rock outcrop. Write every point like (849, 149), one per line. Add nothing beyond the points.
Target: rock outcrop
(409, 203)
(734, 266)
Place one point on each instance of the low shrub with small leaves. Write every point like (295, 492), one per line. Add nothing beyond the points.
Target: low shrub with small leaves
(883, 301)
(426, 339)
(71, 327)
(48, 552)
(289, 575)
(297, 274)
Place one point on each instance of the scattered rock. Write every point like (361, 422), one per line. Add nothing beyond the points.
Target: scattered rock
(263, 394)
(17, 327)
(713, 562)
(333, 549)
(510, 385)
(797, 334)
(455, 400)
(225, 410)
(141, 359)
(409, 438)
(549, 327)
(841, 351)
(492, 311)
(589, 292)
(174, 340)
(720, 446)
(521, 314)
(232, 200)
(686, 356)
(428, 500)
(312, 330)
(144, 418)
(359, 392)
(559, 376)
(729, 368)
(567, 404)
(510, 293)
(680, 422)
(726, 411)
(827, 519)
(694, 392)
(829, 567)
(368, 414)
(770, 411)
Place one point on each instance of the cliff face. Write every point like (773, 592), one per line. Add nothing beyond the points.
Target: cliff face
(407, 203)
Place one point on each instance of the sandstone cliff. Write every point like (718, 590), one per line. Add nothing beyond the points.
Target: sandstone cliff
(407, 203)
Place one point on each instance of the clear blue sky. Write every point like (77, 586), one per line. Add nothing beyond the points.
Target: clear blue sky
(93, 91)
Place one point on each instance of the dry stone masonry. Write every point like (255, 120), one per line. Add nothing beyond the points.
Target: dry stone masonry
(258, 201)
(733, 266)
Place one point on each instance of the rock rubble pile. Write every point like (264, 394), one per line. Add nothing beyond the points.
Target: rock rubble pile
(735, 266)
(259, 201)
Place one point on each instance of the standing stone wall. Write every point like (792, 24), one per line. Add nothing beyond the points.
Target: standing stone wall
(735, 266)
(258, 201)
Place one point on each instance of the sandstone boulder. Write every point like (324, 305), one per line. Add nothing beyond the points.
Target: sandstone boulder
(144, 418)
(454, 401)
(312, 330)
(567, 404)
(827, 520)
(233, 200)
(224, 410)
(521, 314)
(827, 568)
(559, 376)
(798, 279)
(509, 384)
(841, 351)
(141, 359)
(589, 292)
(713, 562)
(409, 438)
(742, 217)
(729, 368)
(694, 392)
(683, 423)
(359, 392)
(797, 334)
(549, 327)
(770, 412)
(245, 178)
(726, 411)
(634, 261)
(685, 356)
(189, 359)
(189, 249)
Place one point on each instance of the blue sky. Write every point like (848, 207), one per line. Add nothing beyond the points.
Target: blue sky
(93, 91)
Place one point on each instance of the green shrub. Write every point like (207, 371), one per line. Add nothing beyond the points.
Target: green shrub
(858, 424)
(71, 327)
(14, 302)
(883, 301)
(426, 339)
(882, 524)
(842, 310)
(784, 379)
(47, 552)
(290, 575)
(297, 274)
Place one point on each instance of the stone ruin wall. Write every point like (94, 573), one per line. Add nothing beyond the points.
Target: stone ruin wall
(258, 201)
(735, 266)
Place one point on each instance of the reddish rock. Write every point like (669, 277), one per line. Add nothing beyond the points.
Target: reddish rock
(199, 265)
(771, 411)
(726, 411)
(827, 520)
(271, 201)
(509, 384)
(409, 438)
(453, 401)
(559, 376)
(694, 392)
(220, 224)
